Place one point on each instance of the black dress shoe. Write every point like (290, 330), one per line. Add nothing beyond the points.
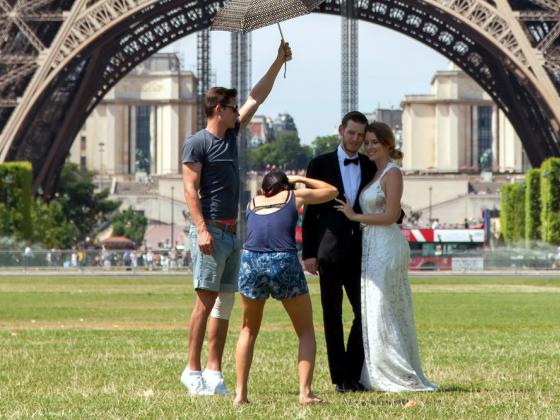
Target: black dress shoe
(357, 386)
(342, 388)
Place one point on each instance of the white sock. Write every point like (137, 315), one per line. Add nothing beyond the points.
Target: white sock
(213, 372)
(194, 372)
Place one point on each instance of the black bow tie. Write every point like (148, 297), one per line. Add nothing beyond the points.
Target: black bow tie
(347, 162)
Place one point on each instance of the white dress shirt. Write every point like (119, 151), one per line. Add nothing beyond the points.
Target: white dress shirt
(351, 175)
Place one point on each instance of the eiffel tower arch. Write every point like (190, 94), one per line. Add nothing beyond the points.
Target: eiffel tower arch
(59, 57)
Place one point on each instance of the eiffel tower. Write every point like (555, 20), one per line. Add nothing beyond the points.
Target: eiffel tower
(59, 57)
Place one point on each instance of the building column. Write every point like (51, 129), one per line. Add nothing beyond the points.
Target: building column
(495, 138)
(474, 147)
(153, 140)
(132, 139)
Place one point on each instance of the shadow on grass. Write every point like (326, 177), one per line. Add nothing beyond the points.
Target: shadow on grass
(383, 403)
(406, 399)
(459, 388)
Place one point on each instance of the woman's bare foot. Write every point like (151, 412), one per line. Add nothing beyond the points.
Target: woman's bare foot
(310, 399)
(240, 401)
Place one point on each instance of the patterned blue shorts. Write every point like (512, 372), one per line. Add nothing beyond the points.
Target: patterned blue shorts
(278, 274)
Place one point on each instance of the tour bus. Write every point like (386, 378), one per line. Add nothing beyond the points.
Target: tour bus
(437, 249)
(299, 236)
(446, 249)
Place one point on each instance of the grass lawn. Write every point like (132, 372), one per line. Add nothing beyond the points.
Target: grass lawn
(114, 347)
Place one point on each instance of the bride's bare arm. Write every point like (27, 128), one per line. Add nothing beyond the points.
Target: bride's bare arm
(392, 185)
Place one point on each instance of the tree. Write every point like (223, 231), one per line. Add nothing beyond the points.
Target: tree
(285, 152)
(324, 144)
(51, 228)
(261, 156)
(81, 204)
(131, 224)
(73, 213)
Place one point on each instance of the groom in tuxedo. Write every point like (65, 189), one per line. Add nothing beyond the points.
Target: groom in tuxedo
(332, 247)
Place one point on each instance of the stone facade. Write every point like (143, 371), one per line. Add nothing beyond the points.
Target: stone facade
(139, 127)
(458, 128)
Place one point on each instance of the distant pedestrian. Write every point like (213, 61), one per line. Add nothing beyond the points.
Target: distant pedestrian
(105, 258)
(134, 260)
(164, 259)
(27, 256)
(150, 260)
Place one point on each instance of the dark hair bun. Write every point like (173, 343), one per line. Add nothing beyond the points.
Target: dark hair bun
(396, 154)
(274, 182)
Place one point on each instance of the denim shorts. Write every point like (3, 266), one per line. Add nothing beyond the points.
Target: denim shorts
(217, 272)
(278, 274)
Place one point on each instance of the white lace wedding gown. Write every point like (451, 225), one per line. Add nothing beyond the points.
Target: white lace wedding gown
(392, 362)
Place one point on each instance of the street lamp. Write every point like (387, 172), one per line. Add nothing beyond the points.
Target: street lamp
(172, 217)
(430, 204)
(101, 150)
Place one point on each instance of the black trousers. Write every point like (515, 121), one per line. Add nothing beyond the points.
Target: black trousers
(340, 271)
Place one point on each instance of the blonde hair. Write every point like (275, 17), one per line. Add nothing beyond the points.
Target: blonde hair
(386, 137)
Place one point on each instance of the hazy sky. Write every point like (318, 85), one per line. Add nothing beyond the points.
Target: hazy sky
(391, 65)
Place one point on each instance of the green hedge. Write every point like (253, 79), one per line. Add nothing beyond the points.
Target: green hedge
(507, 213)
(520, 210)
(512, 212)
(550, 200)
(533, 205)
(16, 180)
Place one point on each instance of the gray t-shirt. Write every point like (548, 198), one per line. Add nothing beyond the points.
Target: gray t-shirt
(219, 180)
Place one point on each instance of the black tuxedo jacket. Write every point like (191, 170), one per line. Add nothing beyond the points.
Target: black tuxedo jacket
(319, 218)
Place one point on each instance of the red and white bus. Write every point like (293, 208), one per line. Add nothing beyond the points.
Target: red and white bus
(445, 249)
(299, 235)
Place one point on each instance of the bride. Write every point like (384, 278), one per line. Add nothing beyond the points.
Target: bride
(392, 362)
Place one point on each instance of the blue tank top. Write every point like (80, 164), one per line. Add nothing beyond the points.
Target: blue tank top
(273, 232)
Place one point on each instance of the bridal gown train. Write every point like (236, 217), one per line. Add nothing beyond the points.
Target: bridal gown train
(392, 362)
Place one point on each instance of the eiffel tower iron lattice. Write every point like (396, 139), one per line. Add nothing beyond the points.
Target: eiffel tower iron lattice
(349, 58)
(59, 57)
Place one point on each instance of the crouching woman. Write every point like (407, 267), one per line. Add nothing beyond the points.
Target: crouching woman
(270, 267)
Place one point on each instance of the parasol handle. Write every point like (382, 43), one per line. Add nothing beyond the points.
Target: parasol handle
(282, 36)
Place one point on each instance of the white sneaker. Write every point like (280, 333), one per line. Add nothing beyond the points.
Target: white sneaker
(214, 382)
(194, 382)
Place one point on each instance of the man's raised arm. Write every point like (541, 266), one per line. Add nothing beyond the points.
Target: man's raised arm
(261, 90)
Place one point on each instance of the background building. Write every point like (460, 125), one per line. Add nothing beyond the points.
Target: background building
(139, 127)
(284, 123)
(133, 140)
(451, 198)
(458, 128)
(391, 117)
(261, 130)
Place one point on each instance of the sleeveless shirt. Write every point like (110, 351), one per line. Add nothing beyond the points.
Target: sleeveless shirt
(273, 232)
